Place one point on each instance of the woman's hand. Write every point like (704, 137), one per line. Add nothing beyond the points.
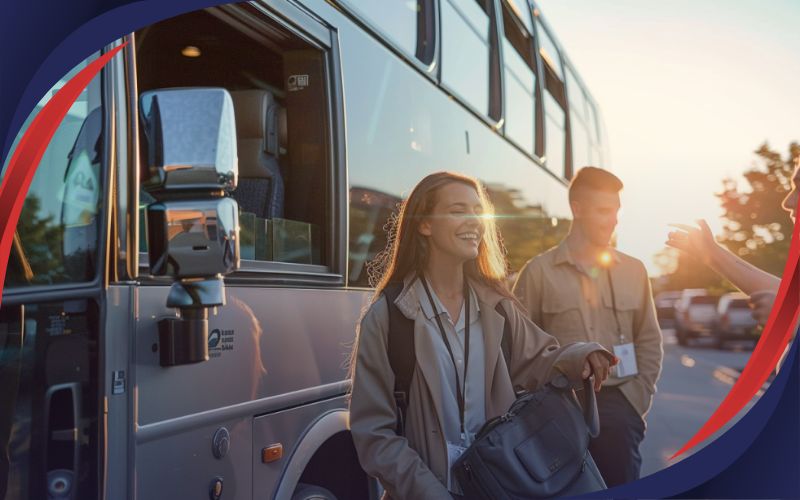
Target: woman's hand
(761, 302)
(600, 365)
(696, 241)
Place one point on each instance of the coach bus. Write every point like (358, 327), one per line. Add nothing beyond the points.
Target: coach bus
(161, 340)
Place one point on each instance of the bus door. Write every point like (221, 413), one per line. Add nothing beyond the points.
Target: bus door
(277, 347)
(52, 309)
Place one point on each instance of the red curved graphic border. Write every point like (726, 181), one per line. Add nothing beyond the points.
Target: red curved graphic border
(19, 171)
(776, 335)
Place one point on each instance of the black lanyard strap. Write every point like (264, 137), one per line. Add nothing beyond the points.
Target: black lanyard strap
(460, 393)
(614, 304)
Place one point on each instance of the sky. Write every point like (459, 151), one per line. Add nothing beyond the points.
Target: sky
(688, 90)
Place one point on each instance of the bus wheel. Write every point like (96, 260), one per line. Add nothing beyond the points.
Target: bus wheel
(312, 492)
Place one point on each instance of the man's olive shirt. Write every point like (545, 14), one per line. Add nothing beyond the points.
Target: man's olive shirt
(575, 305)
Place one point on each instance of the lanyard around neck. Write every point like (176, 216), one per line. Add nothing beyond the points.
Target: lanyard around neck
(460, 392)
(614, 306)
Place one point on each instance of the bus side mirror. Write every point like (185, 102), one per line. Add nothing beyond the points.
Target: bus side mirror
(193, 227)
(191, 140)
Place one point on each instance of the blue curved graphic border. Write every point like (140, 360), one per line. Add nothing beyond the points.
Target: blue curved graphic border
(42, 41)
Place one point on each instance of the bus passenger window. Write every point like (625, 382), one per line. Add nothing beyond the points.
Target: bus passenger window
(408, 24)
(580, 140)
(595, 135)
(555, 105)
(549, 51)
(56, 239)
(276, 80)
(466, 45)
(520, 79)
(555, 134)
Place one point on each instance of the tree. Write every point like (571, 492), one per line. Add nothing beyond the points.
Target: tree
(38, 259)
(755, 225)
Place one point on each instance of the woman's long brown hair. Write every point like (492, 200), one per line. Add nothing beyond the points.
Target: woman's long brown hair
(406, 252)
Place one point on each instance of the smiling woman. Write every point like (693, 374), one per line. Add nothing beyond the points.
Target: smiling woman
(459, 199)
(443, 271)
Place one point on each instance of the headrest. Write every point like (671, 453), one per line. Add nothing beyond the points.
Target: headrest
(252, 108)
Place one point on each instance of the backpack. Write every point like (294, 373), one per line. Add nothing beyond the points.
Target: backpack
(537, 449)
(403, 357)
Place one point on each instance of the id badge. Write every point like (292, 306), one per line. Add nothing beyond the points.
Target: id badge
(626, 353)
(454, 452)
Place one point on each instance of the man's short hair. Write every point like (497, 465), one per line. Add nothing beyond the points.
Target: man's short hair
(596, 179)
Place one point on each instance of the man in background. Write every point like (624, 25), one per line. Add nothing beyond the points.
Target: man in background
(585, 290)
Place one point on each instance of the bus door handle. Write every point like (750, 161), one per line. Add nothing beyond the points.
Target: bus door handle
(62, 432)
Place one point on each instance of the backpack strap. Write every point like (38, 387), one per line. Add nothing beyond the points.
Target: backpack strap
(402, 357)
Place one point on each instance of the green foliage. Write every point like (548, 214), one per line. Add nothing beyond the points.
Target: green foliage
(755, 225)
(526, 230)
(41, 240)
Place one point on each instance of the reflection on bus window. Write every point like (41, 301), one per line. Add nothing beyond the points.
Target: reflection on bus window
(396, 19)
(56, 237)
(370, 214)
(465, 51)
(527, 229)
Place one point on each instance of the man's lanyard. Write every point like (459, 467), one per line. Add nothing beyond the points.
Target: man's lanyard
(460, 393)
(614, 306)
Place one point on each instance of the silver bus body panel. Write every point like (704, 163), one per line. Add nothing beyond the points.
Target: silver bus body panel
(272, 341)
(301, 431)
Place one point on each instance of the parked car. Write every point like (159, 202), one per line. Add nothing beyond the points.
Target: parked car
(682, 303)
(697, 315)
(665, 306)
(735, 320)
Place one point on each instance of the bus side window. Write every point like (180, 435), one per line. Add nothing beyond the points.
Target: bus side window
(520, 78)
(578, 123)
(554, 105)
(56, 237)
(276, 81)
(595, 134)
(468, 54)
(406, 24)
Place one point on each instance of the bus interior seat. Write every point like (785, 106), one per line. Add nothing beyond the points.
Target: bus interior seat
(283, 131)
(260, 189)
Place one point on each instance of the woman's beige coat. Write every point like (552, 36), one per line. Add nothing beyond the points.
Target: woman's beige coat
(415, 466)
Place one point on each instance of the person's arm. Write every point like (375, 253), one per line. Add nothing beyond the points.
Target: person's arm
(528, 289)
(535, 355)
(700, 243)
(382, 453)
(647, 339)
